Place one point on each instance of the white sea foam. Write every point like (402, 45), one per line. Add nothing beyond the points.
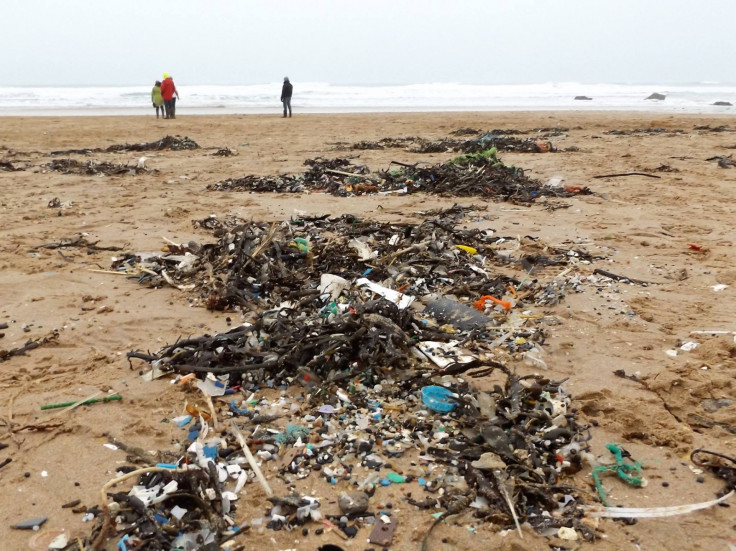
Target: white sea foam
(323, 97)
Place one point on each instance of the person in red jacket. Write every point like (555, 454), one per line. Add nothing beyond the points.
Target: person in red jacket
(168, 91)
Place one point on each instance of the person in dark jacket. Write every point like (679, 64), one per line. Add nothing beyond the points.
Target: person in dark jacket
(286, 90)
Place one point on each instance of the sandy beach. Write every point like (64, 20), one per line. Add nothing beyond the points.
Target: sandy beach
(670, 226)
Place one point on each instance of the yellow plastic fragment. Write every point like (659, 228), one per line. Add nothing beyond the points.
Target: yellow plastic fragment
(469, 250)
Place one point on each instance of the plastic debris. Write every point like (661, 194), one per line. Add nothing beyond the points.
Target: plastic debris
(438, 399)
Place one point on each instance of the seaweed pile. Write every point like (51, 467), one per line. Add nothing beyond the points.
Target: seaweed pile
(174, 143)
(7, 166)
(499, 138)
(487, 141)
(383, 143)
(474, 174)
(94, 168)
(644, 131)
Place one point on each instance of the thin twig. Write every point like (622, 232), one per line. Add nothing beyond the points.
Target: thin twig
(251, 459)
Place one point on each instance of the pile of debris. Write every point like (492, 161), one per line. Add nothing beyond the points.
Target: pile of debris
(174, 143)
(258, 266)
(473, 174)
(94, 168)
(500, 139)
(376, 330)
(502, 455)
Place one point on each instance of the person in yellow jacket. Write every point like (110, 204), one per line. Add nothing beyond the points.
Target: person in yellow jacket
(157, 98)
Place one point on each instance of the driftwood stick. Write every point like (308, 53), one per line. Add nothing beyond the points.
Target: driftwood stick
(341, 173)
(620, 277)
(627, 174)
(407, 165)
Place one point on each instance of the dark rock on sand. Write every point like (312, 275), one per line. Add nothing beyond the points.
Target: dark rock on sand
(583, 98)
(657, 96)
(725, 103)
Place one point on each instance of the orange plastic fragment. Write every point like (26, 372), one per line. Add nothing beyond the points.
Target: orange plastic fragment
(480, 304)
(196, 412)
(695, 247)
(574, 189)
(403, 288)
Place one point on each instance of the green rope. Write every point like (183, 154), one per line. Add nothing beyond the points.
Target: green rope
(628, 472)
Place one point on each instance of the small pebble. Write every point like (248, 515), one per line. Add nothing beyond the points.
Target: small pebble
(319, 531)
(700, 480)
(305, 531)
(665, 484)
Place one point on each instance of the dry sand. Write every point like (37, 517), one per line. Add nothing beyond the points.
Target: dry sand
(640, 227)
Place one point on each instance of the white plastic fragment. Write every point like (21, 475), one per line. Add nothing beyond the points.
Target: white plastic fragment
(568, 534)
(719, 287)
(654, 512)
(242, 478)
(444, 353)
(332, 285)
(364, 251)
(59, 542)
(211, 386)
(400, 299)
(178, 512)
(689, 345)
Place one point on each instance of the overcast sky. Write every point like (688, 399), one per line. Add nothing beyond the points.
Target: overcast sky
(129, 42)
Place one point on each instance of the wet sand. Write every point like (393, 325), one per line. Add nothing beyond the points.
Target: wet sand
(674, 232)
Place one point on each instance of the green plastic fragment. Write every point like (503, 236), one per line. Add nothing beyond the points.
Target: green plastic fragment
(396, 478)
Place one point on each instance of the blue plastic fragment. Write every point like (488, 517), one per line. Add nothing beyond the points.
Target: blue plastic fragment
(210, 452)
(193, 434)
(160, 519)
(421, 481)
(167, 466)
(384, 482)
(438, 398)
(236, 409)
(184, 422)
(121, 544)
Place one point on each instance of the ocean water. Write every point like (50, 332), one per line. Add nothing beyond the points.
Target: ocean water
(316, 97)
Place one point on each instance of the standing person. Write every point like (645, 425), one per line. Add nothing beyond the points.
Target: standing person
(168, 91)
(286, 90)
(157, 99)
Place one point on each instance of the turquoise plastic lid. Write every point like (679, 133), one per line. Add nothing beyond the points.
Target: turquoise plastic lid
(438, 398)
